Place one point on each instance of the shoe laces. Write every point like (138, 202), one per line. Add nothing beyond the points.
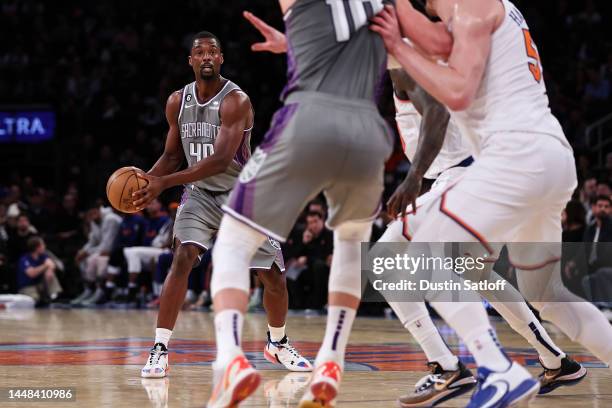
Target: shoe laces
(284, 343)
(156, 353)
(427, 381)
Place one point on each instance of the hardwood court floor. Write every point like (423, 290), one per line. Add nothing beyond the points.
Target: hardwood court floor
(100, 353)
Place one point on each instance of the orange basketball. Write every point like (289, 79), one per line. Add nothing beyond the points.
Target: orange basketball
(120, 186)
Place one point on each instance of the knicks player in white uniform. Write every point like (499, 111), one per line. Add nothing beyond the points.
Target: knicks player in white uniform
(524, 172)
(449, 377)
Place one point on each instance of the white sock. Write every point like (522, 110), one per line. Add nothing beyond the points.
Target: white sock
(523, 321)
(228, 328)
(415, 317)
(339, 322)
(157, 287)
(162, 336)
(276, 333)
(487, 351)
(426, 334)
(470, 321)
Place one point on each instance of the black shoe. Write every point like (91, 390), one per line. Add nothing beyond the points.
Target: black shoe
(570, 373)
(439, 386)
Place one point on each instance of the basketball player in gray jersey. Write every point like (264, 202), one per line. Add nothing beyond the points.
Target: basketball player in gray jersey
(327, 137)
(210, 123)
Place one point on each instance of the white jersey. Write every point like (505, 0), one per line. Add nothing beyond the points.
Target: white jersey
(512, 95)
(454, 150)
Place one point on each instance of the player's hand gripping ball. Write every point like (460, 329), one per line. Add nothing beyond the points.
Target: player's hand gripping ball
(120, 187)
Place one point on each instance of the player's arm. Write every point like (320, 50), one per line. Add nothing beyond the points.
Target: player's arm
(172, 157)
(454, 85)
(274, 41)
(433, 38)
(235, 112)
(434, 123)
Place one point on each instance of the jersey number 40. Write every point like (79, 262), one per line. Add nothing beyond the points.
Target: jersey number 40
(201, 150)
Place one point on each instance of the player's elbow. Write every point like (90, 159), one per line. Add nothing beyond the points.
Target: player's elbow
(442, 48)
(458, 101)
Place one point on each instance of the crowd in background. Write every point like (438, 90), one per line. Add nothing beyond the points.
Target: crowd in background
(107, 67)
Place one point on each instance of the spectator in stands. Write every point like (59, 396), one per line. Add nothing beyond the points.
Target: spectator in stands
(157, 239)
(574, 222)
(131, 232)
(13, 200)
(574, 226)
(3, 231)
(596, 284)
(18, 238)
(317, 205)
(92, 259)
(5, 278)
(312, 254)
(587, 193)
(36, 273)
(67, 227)
(37, 212)
(603, 189)
(597, 88)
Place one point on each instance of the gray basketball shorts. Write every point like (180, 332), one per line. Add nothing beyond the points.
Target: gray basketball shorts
(317, 142)
(197, 223)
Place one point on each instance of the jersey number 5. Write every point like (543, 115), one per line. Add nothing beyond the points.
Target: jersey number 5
(532, 52)
(201, 150)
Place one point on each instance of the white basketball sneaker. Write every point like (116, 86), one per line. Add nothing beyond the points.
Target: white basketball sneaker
(157, 364)
(282, 352)
(323, 389)
(499, 389)
(234, 383)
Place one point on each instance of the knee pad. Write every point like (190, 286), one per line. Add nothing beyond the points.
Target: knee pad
(235, 246)
(345, 272)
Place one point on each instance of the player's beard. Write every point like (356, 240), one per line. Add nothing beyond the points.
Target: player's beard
(208, 76)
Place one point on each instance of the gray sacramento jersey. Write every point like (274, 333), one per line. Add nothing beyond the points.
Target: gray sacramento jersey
(199, 126)
(321, 58)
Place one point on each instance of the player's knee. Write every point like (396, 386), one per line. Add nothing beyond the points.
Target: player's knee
(185, 258)
(561, 314)
(273, 280)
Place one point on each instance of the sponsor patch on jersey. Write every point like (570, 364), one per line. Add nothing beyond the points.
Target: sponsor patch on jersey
(252, 167)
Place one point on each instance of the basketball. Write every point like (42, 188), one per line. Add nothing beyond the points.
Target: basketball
(120, 187)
